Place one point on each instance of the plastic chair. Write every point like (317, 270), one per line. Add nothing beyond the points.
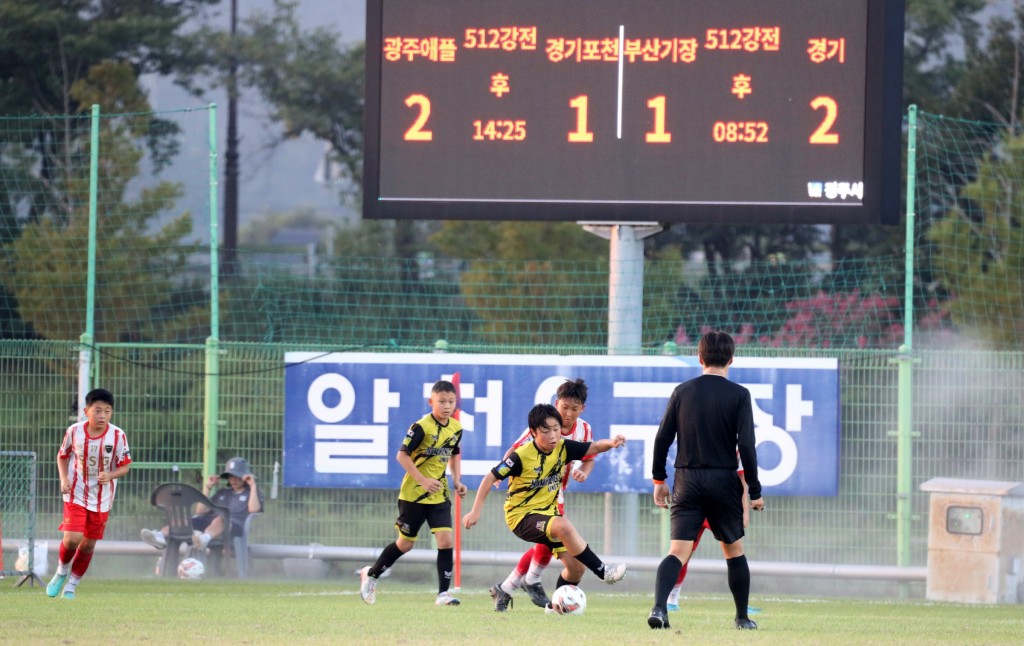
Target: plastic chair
(178, 502)
(239, 548)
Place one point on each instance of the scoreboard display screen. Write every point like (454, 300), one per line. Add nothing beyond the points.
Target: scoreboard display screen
(716, 111)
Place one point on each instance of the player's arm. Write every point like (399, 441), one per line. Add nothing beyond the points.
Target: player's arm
(523, 439)
(63, 460)
(607, 444)
(106, 476)
(473, 517)
(429, 484)
(583, 472)
(62, 470)
(746, 500)
(662, 442)
(455, 466)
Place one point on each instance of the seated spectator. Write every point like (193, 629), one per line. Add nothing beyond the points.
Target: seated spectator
(241, 497)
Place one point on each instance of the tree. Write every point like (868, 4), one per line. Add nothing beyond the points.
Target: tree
(48, 45)
(992, 91)
(312, 82)
(50, 50)
(536, 268)
(936, 32)
(980, 254)
(137, 268)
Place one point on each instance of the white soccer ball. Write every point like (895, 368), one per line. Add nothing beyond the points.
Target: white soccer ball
(191, 569)
(569, 600)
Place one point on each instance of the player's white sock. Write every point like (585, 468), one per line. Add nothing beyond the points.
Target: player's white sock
(63, 568)
(72, 583)
(533, 575)
(673, 597)
(512, 582)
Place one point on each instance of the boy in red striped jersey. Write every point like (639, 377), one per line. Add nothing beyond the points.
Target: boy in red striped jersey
(93, 455)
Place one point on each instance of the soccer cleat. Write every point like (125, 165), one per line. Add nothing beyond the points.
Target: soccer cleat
(673, 607)
(502, 599)
(657, 618)
(155, 538)
(55, 585)
(69, 595)
(367, 586)
(746, 624)
(537, 594)
(614, 573)
(550, 610)
(446, 599)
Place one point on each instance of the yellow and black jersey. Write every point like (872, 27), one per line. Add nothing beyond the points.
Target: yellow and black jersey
(535, 478)
(430, 445)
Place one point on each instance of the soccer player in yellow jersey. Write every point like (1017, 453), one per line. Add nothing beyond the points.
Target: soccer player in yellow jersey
(535, 471)
(430, 447)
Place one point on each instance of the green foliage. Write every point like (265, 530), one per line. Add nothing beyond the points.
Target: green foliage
(313, 82)
(47, 264)
(552, 303)
(354, 302)
(980, 250)
(993, 88)
(934, 32)
(46, 46)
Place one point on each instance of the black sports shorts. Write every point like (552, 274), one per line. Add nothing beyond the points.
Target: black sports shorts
(533, 528)
(714, 494)
(412, 515)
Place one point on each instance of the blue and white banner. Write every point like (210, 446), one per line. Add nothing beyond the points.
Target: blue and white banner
(347, 413)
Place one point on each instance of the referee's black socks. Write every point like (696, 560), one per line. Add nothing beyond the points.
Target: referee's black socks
(739, 583)
(668, 572)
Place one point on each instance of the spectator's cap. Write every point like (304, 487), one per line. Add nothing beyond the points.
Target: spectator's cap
(236, 467)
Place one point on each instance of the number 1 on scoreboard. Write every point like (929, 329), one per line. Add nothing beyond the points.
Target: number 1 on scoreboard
(581, 134)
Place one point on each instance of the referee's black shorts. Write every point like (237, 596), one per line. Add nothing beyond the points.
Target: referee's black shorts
(714, 494)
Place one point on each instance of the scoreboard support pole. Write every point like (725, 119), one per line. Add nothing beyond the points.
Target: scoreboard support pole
(625, 334)
(625, 281)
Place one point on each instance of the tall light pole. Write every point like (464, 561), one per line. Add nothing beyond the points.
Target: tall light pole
(229, 248)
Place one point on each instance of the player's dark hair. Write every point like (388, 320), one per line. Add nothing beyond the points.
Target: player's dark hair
(716, 349)
(573, 389)
(99, 395)
(540, 413)
(443, 386)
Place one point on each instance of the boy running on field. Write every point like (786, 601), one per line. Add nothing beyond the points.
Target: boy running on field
(535, 471)
(92, 456)
(431, 445)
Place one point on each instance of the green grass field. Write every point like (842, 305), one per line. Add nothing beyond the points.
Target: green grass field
(270, 612)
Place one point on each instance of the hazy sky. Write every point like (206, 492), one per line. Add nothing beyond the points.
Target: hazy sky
(278, 179)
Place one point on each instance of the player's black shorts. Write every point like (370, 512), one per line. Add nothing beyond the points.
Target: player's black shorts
(533, 528)
(714, 494)
(412, 515)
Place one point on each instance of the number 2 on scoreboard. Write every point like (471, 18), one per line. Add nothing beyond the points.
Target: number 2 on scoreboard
(416, 132)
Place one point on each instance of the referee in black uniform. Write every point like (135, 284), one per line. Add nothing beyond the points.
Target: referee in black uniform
(712, 419)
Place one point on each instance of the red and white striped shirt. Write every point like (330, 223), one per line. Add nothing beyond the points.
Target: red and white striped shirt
(88, 456)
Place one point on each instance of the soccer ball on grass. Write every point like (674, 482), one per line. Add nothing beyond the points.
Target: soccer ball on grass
(191, 569)
(569, 600)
